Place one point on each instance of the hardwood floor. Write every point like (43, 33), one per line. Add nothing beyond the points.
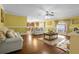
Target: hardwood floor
(32, 45)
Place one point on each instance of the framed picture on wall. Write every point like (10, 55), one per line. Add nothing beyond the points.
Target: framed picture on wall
(2, 16)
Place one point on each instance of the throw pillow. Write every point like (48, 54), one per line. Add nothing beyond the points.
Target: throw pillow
(11, 34)
(2, 36)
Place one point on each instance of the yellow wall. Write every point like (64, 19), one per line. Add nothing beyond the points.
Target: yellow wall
(49, 24)
(73, 25)
(18, 23)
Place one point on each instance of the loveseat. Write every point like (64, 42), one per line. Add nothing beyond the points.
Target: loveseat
(37, 31)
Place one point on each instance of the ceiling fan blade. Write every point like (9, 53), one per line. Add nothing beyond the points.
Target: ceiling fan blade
(41, 12)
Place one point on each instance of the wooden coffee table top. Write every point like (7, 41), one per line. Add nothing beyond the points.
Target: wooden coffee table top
(50, 34)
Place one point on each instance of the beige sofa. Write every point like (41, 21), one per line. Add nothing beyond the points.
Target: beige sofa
(11, 44)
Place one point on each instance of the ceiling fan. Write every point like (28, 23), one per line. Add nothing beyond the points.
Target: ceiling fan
(46, 11)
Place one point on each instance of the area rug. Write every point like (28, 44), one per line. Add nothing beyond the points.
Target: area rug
(60, 42)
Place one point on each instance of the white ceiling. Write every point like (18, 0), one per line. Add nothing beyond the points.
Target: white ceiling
(35, 10)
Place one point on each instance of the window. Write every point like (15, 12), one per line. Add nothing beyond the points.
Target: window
(61, 28)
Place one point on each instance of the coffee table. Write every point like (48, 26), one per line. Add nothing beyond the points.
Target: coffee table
(50, 36)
